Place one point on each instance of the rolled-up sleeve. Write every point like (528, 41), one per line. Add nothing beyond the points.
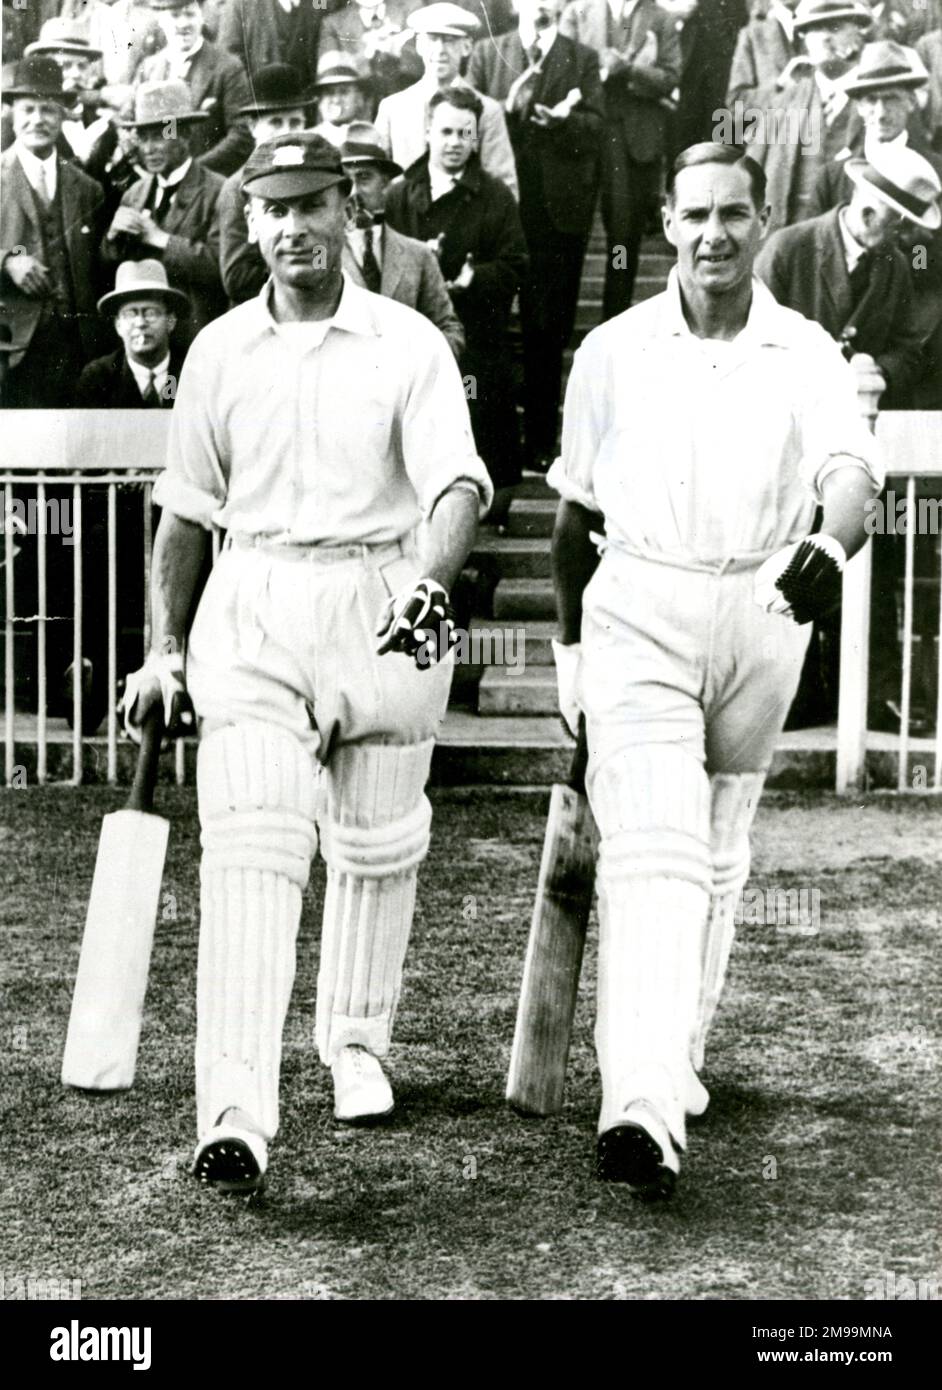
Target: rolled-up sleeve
(834, 431)
(583, 430)
(437, 444)
(193, 485)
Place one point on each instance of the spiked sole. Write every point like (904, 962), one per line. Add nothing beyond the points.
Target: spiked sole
(629, 1155)
(228, 1165)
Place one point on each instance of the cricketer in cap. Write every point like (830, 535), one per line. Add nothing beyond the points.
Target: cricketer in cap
(318, 425)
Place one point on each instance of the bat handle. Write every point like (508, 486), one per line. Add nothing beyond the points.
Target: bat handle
(141, 797)
(580, 759)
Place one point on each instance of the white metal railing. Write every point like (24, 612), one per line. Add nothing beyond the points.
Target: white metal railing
(76, 450)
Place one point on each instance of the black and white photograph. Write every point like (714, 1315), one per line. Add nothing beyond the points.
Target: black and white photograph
(471, 669)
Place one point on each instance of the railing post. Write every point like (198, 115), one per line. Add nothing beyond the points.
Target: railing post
(855, 639)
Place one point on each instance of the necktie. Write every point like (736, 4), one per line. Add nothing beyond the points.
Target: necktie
(860, 277)
(162, 196)
(43, 189)
(149, 396)
(535, 55)
(372, 275)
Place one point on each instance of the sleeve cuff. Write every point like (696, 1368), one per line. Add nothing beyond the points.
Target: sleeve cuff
(477, 481)
(568, 490)
(186, 501)
(835, 462)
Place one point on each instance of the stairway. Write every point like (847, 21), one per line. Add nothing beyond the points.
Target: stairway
(510, 573)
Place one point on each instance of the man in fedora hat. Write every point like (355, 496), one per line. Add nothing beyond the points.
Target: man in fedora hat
(171, 213)
(50, 226)
(377, 32)
(884, 88)
(344, 94)
(844, 270)
(84, 122)
(811, 119)
(377, 256)
(444, 39)
(216, 80)
(318, 425)
(144, 371)
(278, 106)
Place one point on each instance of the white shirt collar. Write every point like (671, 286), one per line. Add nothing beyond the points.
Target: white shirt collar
(289, 5)
(367, 15)
(180, 60)
(356, 238)
(544, 37)
(785, 18)
(766, 325)
(622, 9)
(870, 143)
(142, 374)
(852, 247)
(353, 312)
(178, 175)
(440, 182)
(37, 170)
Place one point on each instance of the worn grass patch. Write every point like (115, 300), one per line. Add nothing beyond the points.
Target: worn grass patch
(815, 1169)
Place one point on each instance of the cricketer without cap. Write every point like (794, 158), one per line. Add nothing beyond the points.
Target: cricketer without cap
(317, 424)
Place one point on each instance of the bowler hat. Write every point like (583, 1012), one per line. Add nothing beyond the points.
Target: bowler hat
(60, 35)
(362, 146)
(292, 165)
(885, 64)
(158, 103)
(903, 180)
(142, 280)
(37, 76)
(276, 87)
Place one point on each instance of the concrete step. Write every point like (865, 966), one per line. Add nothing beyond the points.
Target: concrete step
(533, 487)
(522, 599)
(531, 690)
(510, 642)
(512, 557)
(532, 516)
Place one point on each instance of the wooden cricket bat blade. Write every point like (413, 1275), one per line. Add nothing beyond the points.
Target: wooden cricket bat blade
(108, 1002)
(554, 956)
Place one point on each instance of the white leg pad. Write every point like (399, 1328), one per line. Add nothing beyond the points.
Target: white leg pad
(374, 836)
(652, 807)
(734, 799)
(256, 787)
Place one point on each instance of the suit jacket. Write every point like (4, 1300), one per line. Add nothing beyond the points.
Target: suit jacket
(391, 71)
(805, 268)
(779, 155)
(191, 257)
(411, 275)
(217, 84)
(109, 384)
(242, 268)
(81, 199)
(400, 121)
(637, 100)
(250, 30)
(762, 52)
(929, 48)
(707, 40)
(557, 169)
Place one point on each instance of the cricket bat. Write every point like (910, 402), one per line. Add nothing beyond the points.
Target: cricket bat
(554, 951)
(108, 1002)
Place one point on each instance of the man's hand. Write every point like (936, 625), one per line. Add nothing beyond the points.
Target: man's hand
(549, 117)
(151, 234)
(436, 244)
(126, 222)
(802, 581)
(795, 67)
(28, 274)
(419, 623)
(465, 275)
(568, 661)
(611, 61)
(867, 371)
(160, 680)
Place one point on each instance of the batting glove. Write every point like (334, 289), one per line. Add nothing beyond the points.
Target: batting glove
(166, 671)
(568, 663)
(803, 581)
(419, 623)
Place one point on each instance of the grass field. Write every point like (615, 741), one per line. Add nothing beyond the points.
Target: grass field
(816, 1168)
